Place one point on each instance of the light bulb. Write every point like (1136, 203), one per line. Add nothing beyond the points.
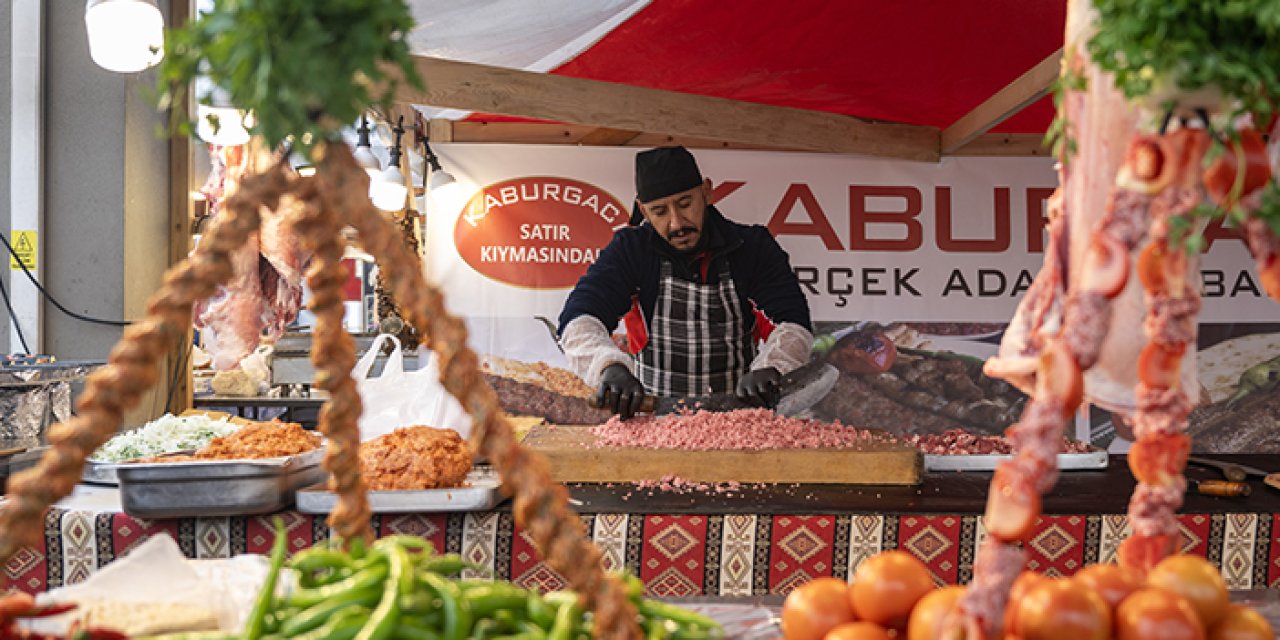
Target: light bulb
(125, 36)
(387, 189)
(448, 198)
(441, 179)
(365, 158)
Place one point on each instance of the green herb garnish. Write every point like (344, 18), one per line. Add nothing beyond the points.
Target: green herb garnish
(304, 68)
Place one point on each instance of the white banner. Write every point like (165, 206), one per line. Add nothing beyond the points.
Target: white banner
(869, 238)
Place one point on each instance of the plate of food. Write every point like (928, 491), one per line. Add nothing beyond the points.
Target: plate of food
(254, 470)
(164, 435)
(415, 469)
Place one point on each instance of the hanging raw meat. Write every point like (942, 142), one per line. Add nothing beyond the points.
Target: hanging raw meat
(265, 291)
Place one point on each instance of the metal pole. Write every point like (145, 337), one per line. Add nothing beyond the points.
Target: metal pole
(26, 168)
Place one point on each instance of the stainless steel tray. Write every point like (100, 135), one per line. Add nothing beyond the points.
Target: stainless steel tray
(1066, 461)
(216, 487)
(96, 472)
(482, 494)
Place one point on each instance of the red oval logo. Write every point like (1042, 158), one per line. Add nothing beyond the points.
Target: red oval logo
(537, 232)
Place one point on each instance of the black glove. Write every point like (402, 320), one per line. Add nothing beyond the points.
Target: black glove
(760, 388)
(620, 391)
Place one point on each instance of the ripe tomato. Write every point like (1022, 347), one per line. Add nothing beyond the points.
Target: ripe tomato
(1221, 176)
(1025, 581)
(1151, 267)
(1141, 553)
(1059, 376)
(858, 631)
(1111, 582)
(1061, 610)
(1160, 367)
(1156, 613)
(815, 608)
(1242, 623)
(1269, 276)
(1159, 461)
(1193, 578)
(930, 612)
(1013, 505)
(886, 586)
(1106, 266)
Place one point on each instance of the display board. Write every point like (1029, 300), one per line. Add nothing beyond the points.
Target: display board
(942, 250)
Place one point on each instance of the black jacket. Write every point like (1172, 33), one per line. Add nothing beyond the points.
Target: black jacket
(631, 265)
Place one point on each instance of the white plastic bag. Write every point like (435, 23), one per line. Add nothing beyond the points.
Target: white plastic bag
(399, 398)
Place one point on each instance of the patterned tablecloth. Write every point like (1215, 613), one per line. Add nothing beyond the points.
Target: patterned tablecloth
(730, 554)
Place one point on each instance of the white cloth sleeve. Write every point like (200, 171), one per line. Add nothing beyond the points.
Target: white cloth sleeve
(590, 349)
(786, 349)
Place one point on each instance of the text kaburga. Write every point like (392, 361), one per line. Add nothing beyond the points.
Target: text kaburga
(845, 283)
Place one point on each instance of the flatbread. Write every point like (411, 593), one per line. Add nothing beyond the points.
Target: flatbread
(1220, 366)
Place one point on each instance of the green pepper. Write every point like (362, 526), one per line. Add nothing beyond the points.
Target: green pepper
(317, 614)
(374, 575)
(399, 582)
(655, 629)
(272, 621)
(633, 586)
(484, 629)
(457, 611)
(566, 618)
(325, 577)
(532, 630)
(253, 627)
(318, 558)
(419, 603)
(342, 626)
(430, 624)
(486, 599)
(679, 615)
(447, 565)
(413, 543)
(539, 611)
(405, 632)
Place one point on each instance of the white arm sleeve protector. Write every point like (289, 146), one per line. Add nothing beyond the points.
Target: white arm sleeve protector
(590, 349)
(786, 349)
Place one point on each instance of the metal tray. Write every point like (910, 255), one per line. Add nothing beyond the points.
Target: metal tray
(216, 487)
(96, 472)
(1066, 461)
(482, 494)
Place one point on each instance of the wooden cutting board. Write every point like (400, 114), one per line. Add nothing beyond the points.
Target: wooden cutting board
(575, 458)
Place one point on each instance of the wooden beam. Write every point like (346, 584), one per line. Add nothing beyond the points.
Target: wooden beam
(990, 144)
(1005, 144)
(606, 137)
(440, 130)
(474, 87)
(519, 132)
(1016, 96)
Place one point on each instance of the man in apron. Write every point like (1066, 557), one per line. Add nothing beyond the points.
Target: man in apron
(697, 293)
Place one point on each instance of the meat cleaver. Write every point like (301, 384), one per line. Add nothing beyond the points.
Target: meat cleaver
(800, 390)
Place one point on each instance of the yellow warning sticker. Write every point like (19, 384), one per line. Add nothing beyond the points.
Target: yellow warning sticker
(24, 244)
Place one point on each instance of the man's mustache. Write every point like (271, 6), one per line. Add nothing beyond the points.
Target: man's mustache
(682, 232)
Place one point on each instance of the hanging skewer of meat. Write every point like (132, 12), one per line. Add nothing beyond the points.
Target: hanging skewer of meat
(541, 504)
(1159, 455)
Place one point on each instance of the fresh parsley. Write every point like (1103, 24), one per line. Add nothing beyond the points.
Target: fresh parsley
(1232, 46)
(304, 68)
